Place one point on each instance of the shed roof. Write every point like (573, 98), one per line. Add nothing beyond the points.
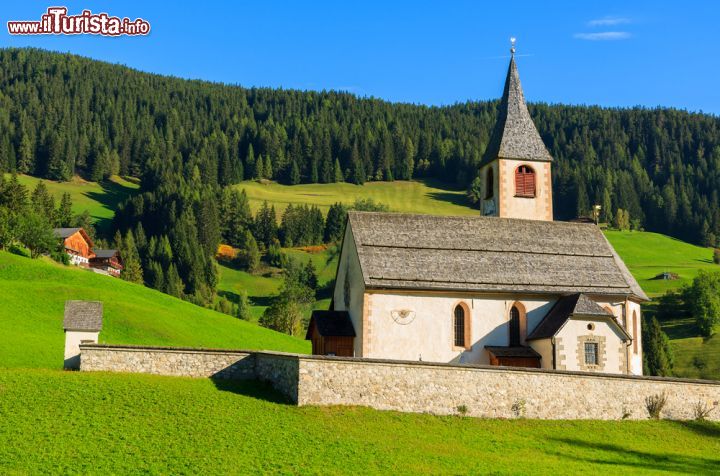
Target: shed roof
(105, 253)
(83, 316)
(65, 232)
(515, 135)
(331, 323)
(566, 307)
(487, 254)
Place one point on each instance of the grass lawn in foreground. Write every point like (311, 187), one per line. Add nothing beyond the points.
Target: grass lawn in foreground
(98, 423)
(33, 294)
(430, 197)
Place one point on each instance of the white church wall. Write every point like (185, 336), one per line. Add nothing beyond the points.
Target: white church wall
(349, 265)
(543, 347)
(429, 335)
(73, 339)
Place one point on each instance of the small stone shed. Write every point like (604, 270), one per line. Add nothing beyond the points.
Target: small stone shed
(82, 324)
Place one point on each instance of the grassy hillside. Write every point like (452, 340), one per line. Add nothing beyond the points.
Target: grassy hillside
(649, 254)
(100, 199)
(262, 286)
(33, 296)
(416, 197)
(130, 424)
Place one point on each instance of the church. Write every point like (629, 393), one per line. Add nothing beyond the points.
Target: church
(511, 287)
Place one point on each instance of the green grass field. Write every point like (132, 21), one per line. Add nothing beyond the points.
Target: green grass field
(649, 254)
(263, 286)
(56, 422)
(430, 197)
(33, 293)
(100, 199)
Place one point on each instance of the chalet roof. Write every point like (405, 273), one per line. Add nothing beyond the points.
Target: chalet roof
(515, 135)
(331, 323)
(487, 254)
(567, 306)
(105, 253)
(83, 316)
(65, 232)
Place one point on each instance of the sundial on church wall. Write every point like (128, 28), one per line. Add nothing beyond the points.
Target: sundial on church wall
(403, 316)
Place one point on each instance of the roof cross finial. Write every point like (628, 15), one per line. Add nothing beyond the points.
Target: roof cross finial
(512, 45)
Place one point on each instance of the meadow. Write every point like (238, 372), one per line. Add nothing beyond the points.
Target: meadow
(430, 197)
(99, 199)
(56, 422)
(33, 297)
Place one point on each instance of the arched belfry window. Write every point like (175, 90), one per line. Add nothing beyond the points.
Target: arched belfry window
(489, 184)
(525, 182)
(517, 325)
(461, 326)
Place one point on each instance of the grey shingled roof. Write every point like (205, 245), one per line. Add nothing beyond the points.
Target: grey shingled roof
(331, 323)
(566, 306)
(83, 316)
(403, 251)
(105, 253)
(64, 232)
(515, 135)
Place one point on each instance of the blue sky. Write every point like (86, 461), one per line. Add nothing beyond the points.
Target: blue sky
(607, 53)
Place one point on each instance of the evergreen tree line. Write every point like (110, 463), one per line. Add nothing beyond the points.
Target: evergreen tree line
(62, 115)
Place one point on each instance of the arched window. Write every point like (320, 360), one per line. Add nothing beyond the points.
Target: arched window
(635, 333)
(514, 327)
(524, 182)
(489, 184)
(461, 327)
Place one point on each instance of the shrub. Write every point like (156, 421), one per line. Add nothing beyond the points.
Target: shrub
(716, 256)
(655, 404)
(19, 250)
(518, 408)
(701, 410)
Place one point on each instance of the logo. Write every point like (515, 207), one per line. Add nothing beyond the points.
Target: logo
(57, 22)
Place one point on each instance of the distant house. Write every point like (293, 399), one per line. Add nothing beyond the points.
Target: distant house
(78, 245)
(107, 262)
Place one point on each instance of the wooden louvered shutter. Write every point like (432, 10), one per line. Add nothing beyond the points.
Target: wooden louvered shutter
(524, 182)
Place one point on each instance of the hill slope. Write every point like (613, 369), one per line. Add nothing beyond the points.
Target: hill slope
(401, 196)
(128, 424)
(33, 297)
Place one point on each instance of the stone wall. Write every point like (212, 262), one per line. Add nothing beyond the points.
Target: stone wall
(493, 392)
(421, 387)
(175, 361)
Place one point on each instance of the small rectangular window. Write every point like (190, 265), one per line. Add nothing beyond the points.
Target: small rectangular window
(591, 351)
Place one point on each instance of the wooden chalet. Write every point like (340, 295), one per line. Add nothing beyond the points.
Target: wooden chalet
(77, 244)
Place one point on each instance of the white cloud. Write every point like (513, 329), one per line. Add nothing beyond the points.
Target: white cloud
(603, 36)
(609, 21)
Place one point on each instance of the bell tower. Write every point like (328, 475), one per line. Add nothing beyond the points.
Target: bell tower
(515, 173)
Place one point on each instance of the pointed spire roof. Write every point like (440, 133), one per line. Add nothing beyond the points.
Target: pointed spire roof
(515, 135)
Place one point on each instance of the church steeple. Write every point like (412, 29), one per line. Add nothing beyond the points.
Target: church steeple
(516, 165)
(515, 135)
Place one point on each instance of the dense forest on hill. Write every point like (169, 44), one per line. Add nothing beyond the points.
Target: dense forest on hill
(62, 115)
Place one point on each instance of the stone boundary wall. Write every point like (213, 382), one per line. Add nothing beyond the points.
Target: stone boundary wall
(423, 387)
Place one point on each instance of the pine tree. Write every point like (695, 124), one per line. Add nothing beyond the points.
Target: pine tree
(131, 260)
(173, 283)
(64, 216)
(334, 223)
(43, 203)
(259, 168)
(294, 174)
(243, 306)
(657, 353)
(339, 177)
